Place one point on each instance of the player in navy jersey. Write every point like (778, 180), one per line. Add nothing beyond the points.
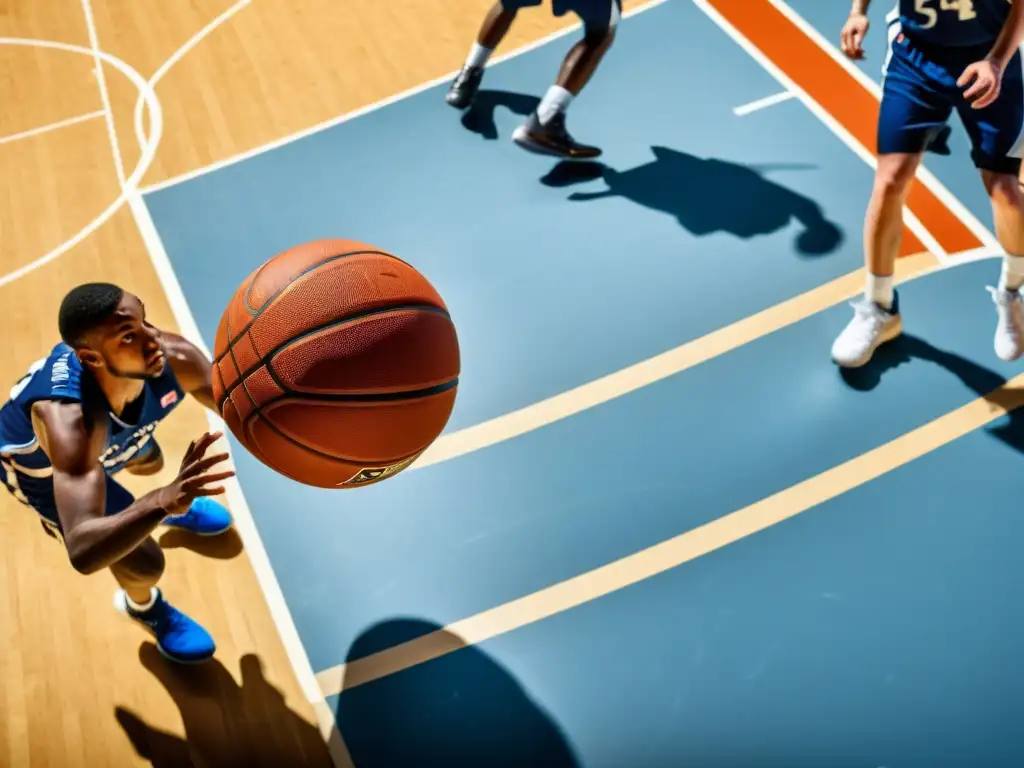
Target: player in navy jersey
(943, 55)
(544, 131)
(88, 411)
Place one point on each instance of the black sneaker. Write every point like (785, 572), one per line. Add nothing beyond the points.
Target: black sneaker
(464, 87)
(552, 139)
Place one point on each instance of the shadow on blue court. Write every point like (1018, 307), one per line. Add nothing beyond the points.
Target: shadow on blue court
(708, 196)
(464, 710)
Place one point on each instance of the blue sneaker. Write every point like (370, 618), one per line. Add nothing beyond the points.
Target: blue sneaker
(178, 637)
(204, 518)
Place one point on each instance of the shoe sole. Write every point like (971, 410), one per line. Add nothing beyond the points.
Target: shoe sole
(121, 606)
(886, 336)
(524, 141)
(218, 532)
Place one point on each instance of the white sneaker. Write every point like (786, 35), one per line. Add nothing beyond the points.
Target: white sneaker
(1009, 337)
(871, 326)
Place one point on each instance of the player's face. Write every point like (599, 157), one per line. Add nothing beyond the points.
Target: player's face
(130, 347)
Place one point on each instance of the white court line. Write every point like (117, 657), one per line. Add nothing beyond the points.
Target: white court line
(90, 25)
(927, 178)
(767, 101)
(912, 222)
(145, 158)
(178, 55)
(377, 105)
(51, 127)
(244, 522)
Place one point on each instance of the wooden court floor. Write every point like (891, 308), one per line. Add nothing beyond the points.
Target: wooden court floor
(81, 687)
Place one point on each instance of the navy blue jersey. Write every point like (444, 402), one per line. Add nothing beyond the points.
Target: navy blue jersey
(60, 377)
(953, 23)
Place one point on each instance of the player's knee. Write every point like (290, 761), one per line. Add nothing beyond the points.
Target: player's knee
(143, 566)
(1003, 190)
(893, 176)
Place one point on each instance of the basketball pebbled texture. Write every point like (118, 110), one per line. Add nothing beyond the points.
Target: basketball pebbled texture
(336, 364)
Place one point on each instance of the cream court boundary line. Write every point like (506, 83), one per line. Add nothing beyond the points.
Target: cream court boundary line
(661, 366)
(673, 552)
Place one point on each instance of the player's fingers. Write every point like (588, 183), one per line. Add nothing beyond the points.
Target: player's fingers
(205, 464)
(988, 98)
(980, 87)
(217, 490)
(203, 444)
(216, 477)
(967, 75)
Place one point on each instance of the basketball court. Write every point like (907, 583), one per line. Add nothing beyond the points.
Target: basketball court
(660, 528)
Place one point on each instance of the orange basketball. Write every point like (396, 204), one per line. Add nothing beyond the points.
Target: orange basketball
(336, 364)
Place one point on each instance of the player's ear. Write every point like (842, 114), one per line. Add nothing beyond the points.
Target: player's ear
(89, 358)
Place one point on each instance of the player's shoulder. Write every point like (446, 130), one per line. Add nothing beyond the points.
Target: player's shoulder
(61, 377)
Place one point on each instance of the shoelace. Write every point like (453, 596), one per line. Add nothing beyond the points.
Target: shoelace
(866, 311)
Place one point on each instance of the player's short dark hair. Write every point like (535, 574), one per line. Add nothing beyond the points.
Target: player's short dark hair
(84, 307)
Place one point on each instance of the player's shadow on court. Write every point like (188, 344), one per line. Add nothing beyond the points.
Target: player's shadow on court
(461, 709)
(708, 195)
(986, 383)
(480, 119)
(223, 546)
(226, 724)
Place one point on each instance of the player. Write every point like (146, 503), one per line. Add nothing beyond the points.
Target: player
(944, 55)
(87, 411)
(544, 131)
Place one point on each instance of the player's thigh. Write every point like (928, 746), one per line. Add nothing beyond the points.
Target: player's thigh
(915, 105)
(996, 130)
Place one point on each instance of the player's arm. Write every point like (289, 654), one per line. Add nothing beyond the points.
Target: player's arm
(95, 540)
(1010, 37)
(191, 367)
(855, 29)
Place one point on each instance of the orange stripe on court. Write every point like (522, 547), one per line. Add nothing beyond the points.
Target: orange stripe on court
(851, 104)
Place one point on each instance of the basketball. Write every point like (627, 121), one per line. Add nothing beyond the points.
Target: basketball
(336, 364)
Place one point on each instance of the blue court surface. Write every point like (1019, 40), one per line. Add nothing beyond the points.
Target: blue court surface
(881, 627)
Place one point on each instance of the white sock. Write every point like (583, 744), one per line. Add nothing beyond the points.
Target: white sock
(1012, 276)
(145, 606)
(478, 55)
(556, 100)
(880, 290)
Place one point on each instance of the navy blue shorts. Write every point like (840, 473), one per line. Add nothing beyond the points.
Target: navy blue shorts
(596, 15)
(920, 92)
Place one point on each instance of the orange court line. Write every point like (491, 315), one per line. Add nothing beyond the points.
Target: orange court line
(851, 104)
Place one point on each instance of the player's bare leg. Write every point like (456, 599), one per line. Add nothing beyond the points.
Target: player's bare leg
(1008, 212)
(495, 26)
(544, 131)
(876, 317)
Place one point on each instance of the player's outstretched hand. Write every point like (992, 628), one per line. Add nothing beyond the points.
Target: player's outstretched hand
(195, 478)
(985, 79)
(852, 37)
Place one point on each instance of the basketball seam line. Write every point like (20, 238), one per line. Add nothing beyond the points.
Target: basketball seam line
(374, 397)
(310, 449)
(327, 260)
(267, 358)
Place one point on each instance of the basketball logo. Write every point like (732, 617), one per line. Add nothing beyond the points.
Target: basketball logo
(373, 474)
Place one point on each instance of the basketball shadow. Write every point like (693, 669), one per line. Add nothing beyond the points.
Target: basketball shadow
(479, 118)
(908, 348)
(223, 546)
(708, 195)
(463, 709)
(226, 724)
